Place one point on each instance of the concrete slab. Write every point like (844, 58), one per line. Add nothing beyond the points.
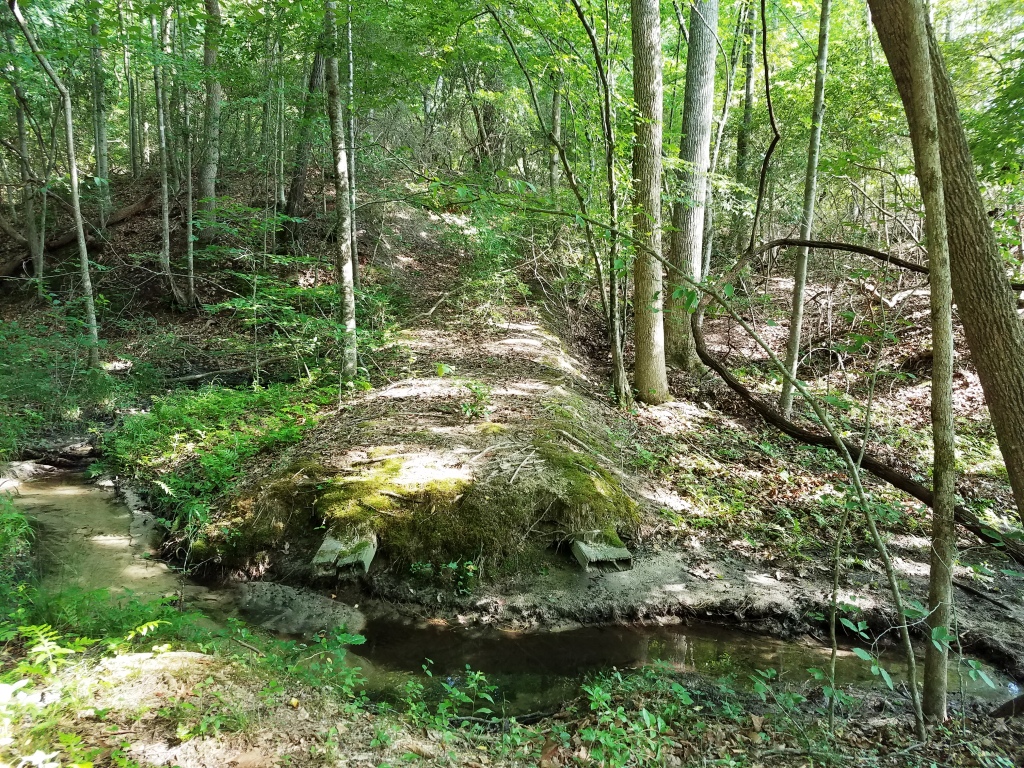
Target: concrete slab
(336, 554)
(591, 548)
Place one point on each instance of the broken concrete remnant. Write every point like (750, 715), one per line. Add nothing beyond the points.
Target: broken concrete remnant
(595, 548)
(336, 554)
(290, 611)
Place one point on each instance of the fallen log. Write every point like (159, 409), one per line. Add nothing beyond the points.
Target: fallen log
(11, 266)
(871, 463)
(116, 217)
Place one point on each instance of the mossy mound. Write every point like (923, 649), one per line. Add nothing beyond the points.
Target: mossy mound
(429, 504)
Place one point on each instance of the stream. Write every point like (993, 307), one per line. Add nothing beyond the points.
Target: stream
(88, 539)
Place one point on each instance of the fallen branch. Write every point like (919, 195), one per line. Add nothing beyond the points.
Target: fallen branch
(871, 463)
(851, 248)
(227, 371)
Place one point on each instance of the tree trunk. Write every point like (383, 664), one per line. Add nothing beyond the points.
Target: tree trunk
(807, 216)
(651, 379)
(929, 173)
(134, 151)
(76, 205)
(300, 167)
(742, 220)
(165, 202)
(556, 132)
(186, 140)
(981, 288)
(351, 107)
(343, 256)
(211, 124)
(723, 119)
(686, 244)
(33, 238)
(100, 123)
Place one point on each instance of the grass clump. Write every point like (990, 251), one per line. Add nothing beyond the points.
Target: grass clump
(188, 451)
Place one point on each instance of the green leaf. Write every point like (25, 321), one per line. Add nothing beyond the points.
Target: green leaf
(861, 653)
(885, 676)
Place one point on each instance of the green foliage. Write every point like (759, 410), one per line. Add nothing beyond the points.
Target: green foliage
(190, 447)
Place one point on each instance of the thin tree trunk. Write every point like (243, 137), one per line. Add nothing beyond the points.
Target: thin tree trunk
(986, 306)
(165, 202)
(100, 123)
(126, 57)
(186, 140)
(686, 243)
(33, 240)
(929, 172)
(211, 124)
(76, 206)
(807, 216)
(742, 220)
(343, 256)
(556, 131)
(615, 322)
(723, 119)
(651, 379)
(353, 226)
(300, 168)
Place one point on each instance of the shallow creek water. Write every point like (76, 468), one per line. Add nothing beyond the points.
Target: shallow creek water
(88, 539)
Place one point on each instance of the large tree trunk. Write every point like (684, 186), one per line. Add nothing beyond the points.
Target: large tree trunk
(686, 245)
(100, 123)
(343, 256)
(300, 166)
(651, 379)
(980, 285)
(76, 206)
(211, 124)
(796, 322)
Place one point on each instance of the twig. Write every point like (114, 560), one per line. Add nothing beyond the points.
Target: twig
(516, 473)
(252, 648)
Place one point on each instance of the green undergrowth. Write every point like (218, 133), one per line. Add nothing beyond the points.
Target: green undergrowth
(45, 383)
(190, 448)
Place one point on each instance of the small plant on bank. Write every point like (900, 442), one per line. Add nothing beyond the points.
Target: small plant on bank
(478, 405)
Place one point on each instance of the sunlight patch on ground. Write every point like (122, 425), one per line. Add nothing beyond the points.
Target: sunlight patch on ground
(433, 387)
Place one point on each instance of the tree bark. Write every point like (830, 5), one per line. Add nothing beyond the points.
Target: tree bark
(100, 122)
(686, 244)
(69, 136)
(807, 216)
(134, 144)
(32, 237)
(165, 201)
(742, 220)
(351, 108)
(909, 32)
(211, 124)
(651, 379)
(300, 166)
(343, 255)
(994, 333)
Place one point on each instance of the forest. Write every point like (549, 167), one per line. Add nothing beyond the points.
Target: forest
(511, 383)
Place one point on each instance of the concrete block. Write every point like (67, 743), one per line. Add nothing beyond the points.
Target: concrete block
(335, 554)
